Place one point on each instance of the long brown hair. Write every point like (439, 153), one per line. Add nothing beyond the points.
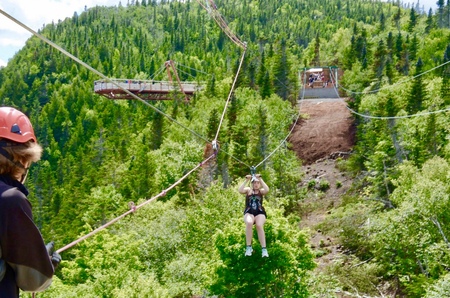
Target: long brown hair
(20, 152)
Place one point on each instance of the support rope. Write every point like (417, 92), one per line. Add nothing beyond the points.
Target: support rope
(290, 131)
(230, 94)
(215, 14)
(46, 40)
(133, 208)
(390, 117)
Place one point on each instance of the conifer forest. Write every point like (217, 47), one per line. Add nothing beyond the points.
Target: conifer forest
(103, 157)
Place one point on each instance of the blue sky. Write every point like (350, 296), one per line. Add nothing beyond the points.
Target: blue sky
(36, 13)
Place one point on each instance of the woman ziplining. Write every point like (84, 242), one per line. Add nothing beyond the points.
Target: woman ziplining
(134, 96)
(254, 213)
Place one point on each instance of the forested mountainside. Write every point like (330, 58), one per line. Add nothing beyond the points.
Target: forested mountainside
(101, 155)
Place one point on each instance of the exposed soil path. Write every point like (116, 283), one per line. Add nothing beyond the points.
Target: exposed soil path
(326, 129)
(325, 132)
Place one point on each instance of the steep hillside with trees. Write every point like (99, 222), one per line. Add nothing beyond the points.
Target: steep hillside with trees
(101, 154)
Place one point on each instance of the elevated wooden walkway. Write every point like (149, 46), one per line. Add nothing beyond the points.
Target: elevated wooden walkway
(145, 89)
(320, 82)
(319, 91)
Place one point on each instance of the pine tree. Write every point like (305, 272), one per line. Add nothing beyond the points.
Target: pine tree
(445, 88)
(440, 12)
(157, 130)
(447, 23)
(364, 58)
(263, 78)
(265, 90)
(389, 70)
(404, 62)
(316, 59)
(213, 124)
(262, 69)
(280, 72)
(382, 22)
(379, 60)
(398, 46)
(429, 22)
(211, 86)
(390, 45)
(251, 71)
(417, 95)
(397, 18)
(391, 111)
(431, 141)
(413, 47)
(412, 20)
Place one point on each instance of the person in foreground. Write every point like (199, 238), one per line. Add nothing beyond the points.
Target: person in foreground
(254, 213)
(26, 263)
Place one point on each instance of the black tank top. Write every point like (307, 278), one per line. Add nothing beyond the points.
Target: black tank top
(254, 201)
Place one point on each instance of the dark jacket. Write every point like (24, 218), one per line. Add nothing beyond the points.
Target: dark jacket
(23, 251)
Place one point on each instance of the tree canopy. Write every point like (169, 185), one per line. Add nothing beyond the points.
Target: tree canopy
(100, 154)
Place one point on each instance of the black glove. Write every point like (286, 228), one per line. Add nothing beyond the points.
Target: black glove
(54, 256)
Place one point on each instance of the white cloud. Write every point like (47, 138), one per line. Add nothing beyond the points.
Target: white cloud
(36, 14)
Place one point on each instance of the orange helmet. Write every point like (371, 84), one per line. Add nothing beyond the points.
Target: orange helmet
(15, 126)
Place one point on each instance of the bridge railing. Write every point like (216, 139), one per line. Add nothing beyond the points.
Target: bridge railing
(137, 86)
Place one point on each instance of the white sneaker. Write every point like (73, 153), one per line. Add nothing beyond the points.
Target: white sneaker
(248, 251)
(265, 254)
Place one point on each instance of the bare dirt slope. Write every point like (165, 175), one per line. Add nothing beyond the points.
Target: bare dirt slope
(326, 132)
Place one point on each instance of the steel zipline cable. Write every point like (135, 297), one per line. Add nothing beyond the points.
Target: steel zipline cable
(57, 47)
(46, 40)
(230, 95)
(133, 207)
(390, 117)
(211, 8)
(134, 96)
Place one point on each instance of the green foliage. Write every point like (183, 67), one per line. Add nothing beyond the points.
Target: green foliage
(324, 285)
(311, 184)
(356, 274)
(324, 185)
(282, 274)
(411, 239)
(440, 289)
(101, 154)
(347, 222)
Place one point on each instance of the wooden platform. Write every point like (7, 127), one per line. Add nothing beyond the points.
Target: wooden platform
(145, 89)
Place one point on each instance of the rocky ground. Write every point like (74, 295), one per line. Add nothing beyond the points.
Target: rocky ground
(325, 133)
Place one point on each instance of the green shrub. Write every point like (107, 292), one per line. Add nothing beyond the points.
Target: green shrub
(324, 185)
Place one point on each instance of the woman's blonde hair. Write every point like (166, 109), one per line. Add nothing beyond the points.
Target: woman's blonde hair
(24, 153)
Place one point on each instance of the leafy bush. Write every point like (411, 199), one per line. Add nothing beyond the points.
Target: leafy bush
(356, 275)
(324, 185)
(283, 274)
